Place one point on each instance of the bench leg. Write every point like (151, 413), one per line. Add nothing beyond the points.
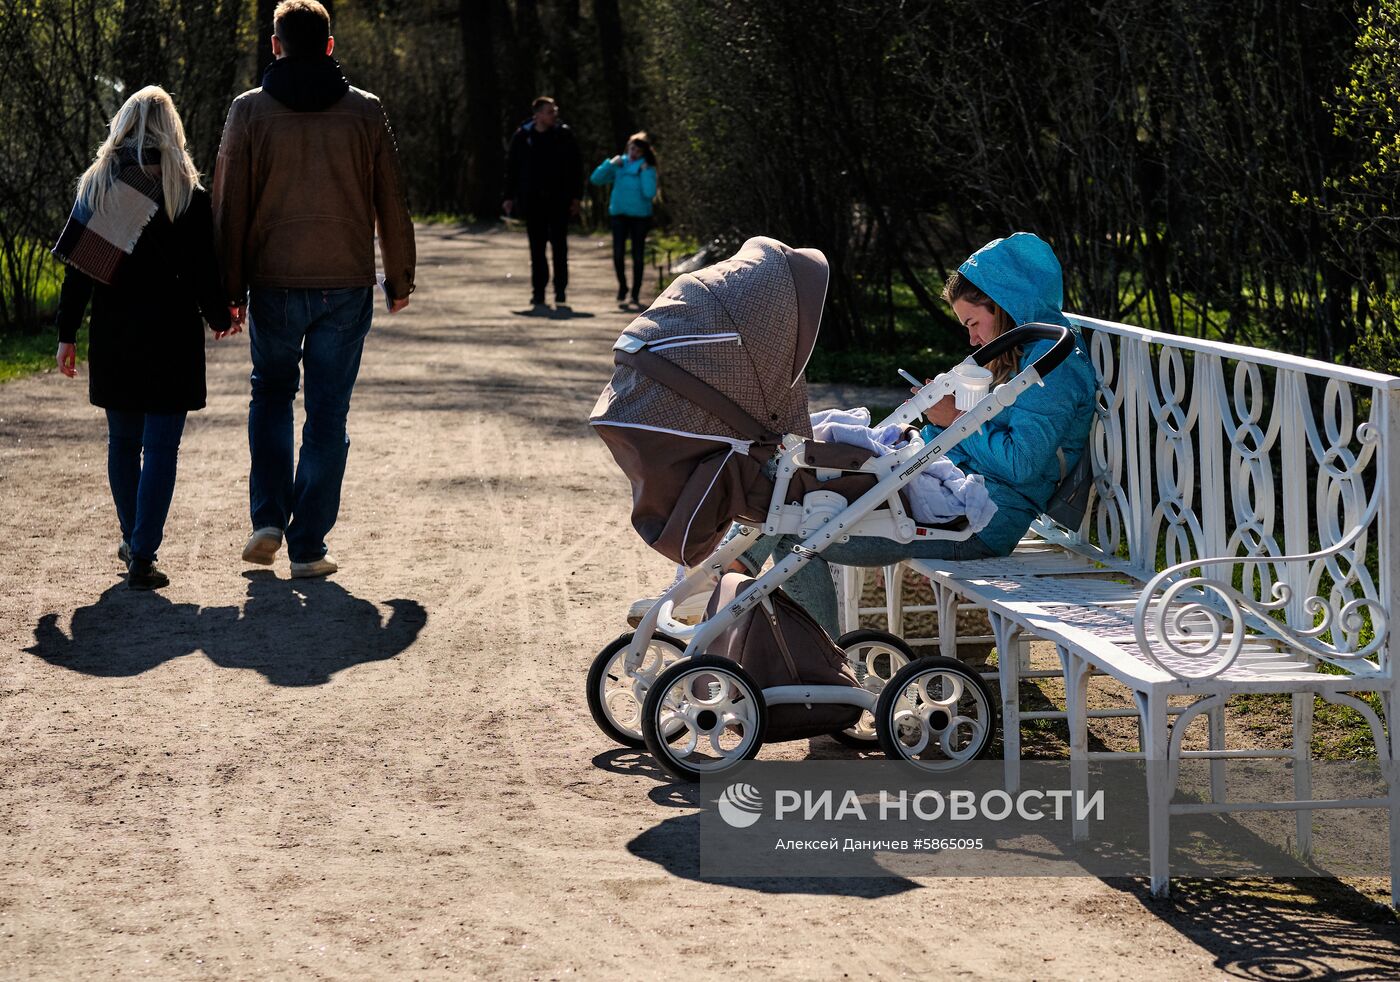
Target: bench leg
(1215, 719)
(1076, 711)
(1156, 751)
(1390, 702)
(1302, 767)
(1009, 672)
(947, 602)
(894, 600)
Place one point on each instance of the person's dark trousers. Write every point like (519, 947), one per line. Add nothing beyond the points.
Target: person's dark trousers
(324, 330)
(142, 451)
(548, 227)
(625, 227)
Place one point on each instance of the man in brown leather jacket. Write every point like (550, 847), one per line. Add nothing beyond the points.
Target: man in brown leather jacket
(307, 168)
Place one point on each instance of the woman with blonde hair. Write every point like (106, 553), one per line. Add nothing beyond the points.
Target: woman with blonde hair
(139, 245)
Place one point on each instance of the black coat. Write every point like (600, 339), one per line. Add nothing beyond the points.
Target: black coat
(146, 335)
(544, 170)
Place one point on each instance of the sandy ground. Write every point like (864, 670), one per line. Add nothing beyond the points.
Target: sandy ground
(392, 773)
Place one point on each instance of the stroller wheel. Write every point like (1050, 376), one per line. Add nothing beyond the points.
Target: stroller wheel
(875, 657)
(937, 714)
(615, 696)
(712, 712)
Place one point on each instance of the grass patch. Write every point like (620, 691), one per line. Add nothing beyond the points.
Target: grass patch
(442, 218)
(43, 273)
(908, 338)
(24, 354)
(862, 366)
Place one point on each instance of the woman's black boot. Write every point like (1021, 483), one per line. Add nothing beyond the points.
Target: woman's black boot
(145, 575)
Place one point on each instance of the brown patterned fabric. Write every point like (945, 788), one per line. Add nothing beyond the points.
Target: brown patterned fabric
(744, 326)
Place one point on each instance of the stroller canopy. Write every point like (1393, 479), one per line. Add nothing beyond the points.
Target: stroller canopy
(707, 382)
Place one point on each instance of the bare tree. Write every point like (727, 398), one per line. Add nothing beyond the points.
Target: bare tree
(483, 129)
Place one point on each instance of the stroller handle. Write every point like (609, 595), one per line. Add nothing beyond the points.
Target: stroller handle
(1034, 331)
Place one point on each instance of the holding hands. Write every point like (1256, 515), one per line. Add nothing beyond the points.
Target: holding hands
(237, 313)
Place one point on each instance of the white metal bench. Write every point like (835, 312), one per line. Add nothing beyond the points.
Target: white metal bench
(1242, 539)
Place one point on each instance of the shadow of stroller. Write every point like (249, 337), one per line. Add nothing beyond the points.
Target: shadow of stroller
(293, 632)
(674, 845)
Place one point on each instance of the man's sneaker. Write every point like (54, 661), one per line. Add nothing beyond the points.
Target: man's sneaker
(124, 553)
(317, 567)
(145, 575)
(262, 546)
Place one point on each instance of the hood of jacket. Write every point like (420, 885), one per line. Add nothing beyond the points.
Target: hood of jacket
(1021, 274)
(306, 85)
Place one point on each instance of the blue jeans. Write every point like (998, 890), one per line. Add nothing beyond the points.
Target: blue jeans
(142, 489)
(812, 586)
(324, 330)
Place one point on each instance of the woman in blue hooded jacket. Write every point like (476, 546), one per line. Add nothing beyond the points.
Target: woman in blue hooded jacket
(1006, 283)
(633, 180)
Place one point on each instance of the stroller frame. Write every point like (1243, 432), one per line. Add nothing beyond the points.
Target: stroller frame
(824, 518)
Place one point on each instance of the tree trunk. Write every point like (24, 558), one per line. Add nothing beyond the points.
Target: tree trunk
(529, 40)
(614, 63)
(519, 72)
(565, 46)
(264, 39)
(483, 169)
(139, 56)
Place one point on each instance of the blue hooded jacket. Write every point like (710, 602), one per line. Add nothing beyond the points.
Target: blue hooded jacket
(1015, 451)
(634, 186)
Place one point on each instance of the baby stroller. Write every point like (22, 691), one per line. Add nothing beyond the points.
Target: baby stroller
(707, 415)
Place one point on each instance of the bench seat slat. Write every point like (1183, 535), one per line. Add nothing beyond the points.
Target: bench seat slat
(1096, 618)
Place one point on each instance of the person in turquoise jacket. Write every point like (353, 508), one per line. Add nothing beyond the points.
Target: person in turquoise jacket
(633, 180)
(1006, 283)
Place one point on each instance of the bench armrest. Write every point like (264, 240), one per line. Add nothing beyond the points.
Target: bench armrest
(1200, 621)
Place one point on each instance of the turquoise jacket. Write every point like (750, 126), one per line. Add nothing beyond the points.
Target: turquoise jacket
(1015, 452)
(633, 186)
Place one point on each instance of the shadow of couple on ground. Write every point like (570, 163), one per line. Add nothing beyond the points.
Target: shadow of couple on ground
(293, 632)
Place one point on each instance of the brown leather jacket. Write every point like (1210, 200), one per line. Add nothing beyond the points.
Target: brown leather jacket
(307, 165)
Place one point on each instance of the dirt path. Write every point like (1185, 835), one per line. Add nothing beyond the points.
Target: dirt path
(392, 773)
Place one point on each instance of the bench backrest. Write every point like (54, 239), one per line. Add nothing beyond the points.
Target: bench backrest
(1204, 450)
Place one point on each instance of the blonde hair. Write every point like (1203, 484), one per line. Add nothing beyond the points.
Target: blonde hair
(146, 121)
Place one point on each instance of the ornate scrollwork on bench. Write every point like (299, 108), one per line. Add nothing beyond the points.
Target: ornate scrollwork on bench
(1204, 620)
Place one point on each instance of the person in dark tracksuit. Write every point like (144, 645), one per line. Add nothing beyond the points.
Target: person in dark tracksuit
(544, 185)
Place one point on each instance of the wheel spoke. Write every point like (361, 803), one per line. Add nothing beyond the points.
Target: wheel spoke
(905, 719)
(949, 680)
(692, 742)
